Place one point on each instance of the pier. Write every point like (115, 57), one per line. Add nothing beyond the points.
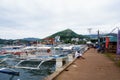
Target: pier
(95, 66)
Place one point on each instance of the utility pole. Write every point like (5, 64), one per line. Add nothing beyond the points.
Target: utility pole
(98, 38)
(89, 30)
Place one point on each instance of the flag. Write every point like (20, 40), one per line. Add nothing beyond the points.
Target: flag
(107, 42)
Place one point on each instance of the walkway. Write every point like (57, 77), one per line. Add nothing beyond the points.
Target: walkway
(95, 66)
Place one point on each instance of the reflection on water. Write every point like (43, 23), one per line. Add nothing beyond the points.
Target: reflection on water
(46, 68)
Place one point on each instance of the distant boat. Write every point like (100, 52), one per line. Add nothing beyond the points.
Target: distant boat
(11, 49)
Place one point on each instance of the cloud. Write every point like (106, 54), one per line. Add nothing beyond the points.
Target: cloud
(41, 18)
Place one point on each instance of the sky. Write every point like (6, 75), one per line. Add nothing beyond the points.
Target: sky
(41, 18)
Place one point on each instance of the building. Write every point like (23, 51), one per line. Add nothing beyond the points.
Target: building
(48, 41)
(75, 39)
(110, 42)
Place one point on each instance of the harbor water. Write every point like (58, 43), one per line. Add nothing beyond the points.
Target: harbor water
(27, 74)
(45, 69)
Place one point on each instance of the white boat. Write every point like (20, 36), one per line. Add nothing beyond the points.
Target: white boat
(40, 54)
(11, 49)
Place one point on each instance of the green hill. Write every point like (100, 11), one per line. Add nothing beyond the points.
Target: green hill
(66, 35)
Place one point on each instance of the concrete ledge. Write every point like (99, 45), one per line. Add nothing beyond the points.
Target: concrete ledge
(56, 73)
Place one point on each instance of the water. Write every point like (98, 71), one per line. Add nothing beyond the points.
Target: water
(46, 69)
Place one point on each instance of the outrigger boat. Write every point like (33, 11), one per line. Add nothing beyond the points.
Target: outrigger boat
(25, 64)
(39, 54)
(11, 49)
(9, 71)
(33, 55)
(4, 57)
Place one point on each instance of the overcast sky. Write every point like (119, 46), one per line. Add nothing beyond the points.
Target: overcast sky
(41, 18)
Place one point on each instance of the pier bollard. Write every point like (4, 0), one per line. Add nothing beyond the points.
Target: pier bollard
(59, 64)
(70, 57)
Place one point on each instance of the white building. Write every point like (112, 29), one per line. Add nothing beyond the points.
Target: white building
(75, 39)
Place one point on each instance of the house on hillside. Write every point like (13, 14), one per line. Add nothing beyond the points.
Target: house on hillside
(75, 39)
(48, 41)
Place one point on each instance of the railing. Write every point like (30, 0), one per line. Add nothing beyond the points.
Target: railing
(63, 63)
(60, 62)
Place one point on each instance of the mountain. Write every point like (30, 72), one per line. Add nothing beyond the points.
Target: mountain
(31, 39)
(93, 36)
(112, 34)
(66, 34)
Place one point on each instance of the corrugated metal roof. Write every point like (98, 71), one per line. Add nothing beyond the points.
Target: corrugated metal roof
(112, 37)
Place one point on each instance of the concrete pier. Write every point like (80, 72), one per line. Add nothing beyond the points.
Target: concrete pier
(61, 67)
(95, 66)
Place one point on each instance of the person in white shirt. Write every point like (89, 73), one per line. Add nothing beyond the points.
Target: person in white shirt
(78, 54)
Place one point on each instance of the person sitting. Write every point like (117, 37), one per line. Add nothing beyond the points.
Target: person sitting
(78, 54)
